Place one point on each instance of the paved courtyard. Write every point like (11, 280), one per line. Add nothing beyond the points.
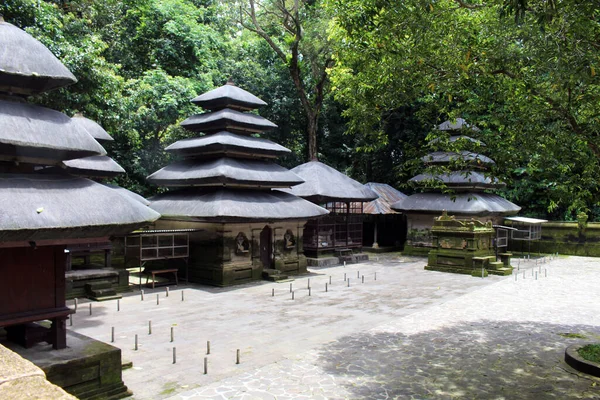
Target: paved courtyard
(407, 334)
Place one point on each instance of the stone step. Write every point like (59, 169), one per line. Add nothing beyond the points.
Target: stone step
(501, 271)
(98, 285)
(105, 298)
(273, 275)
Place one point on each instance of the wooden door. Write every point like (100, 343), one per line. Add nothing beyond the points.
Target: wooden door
(266, 247)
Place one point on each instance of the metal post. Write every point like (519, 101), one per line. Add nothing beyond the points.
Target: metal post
(309, 291)
(330, 279)
(172, 334)
(182, 295)
(344, 277)
(363, 279)
(325, 286)
(208, 347)
(308, 285)
(149, 327)
(167, 292)
(136, 342)
(71, 320)
(75, 304)
(273, 292)
(205, 365)
(118, 305)
(174, 356)
(90, 308)
(348, 282)
(292, 295)
(290, 288)
(112, 334)
(142, 293)
(357, 274)
(157, 299)
(237, 356)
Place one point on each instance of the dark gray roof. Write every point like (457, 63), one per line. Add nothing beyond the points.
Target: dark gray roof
(225, 171)
(387, 196)
(92, 127)
(445, 157)
(226, 204)
(476, 204)
(458, 124)
(226, 142)
(324, 184)
(228, 120)
(35, 134)
(471, 180)
(228, 96)
(43, 207)
(26, 65)
(93, 166)
(127, 192)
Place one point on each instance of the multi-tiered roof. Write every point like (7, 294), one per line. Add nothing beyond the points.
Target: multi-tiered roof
(469, 184)
(227, 174)
(38, 205)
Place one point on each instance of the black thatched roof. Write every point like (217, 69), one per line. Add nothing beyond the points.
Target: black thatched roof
(445, 157)
(26, 65)
(91, 127)
(229, 205)
(387, 196)
(93, 167)
(39, 135)
(227, 143)
(227, 120)
(228, 96)
(43, 207)
(324, 184)
(457, 125)
(225, 171)
(475, 204)
(470, 180)
(126, 192)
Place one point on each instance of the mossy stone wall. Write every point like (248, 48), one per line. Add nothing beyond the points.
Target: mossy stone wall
(565, 238)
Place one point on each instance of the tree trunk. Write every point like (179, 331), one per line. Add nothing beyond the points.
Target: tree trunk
(311, 133)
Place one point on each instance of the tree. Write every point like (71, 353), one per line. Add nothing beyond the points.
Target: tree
(296, 31)
(529, 83)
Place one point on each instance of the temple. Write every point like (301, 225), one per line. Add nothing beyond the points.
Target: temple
(44, 208)
(222, 190)
(338, 236)
(471, 185)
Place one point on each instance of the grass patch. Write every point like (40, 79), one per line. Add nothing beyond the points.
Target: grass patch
(590, 352)
(573, 335)
(169, 388)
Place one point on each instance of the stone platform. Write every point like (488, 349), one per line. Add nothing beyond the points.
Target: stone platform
(334, 261)
(87, 368)
(97, 283)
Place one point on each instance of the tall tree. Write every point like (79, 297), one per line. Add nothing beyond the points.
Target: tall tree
(296, 30)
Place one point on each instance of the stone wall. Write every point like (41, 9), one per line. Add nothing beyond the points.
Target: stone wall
(564, 238)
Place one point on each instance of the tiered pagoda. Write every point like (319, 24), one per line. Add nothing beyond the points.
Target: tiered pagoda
(338, 236)
(222, 187)
(43, 211)
(471, 197)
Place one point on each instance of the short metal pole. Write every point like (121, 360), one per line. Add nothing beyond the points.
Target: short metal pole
(273, 292)
(172, 334)
(309, 291)
(208, 347)
(142, 294)
(237, 356)
(536, 275)
(136, 342)
(344, 263)
(357, 274)
(292, 295)
(118, 305)
(205, 365)
(149, 327)
(308, 285)
(325, 286)
(174, 356)
(75, 304)
(157, 299)
(345, 277)
(348, 282)
(90, 308)
(363, 279)
(71, 320)
(167, 292)
(290, 288)
(112, 334)
(182, 296)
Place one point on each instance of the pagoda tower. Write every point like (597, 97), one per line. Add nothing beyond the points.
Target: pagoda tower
(471, 186)
(42, 210)
(222, 187)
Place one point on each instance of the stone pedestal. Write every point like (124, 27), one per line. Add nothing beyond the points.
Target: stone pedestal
(465, 247)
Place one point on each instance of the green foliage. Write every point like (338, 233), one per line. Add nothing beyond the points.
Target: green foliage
(590, 352)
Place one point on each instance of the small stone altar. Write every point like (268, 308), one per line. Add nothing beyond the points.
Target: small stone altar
(465, 247)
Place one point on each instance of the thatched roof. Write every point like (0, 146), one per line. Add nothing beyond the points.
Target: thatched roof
(26, 65)
(471, 180)
(228, 120)
(227, 143)
(44, 207)
(93, 167)
(225, 171)
(456, 125)
(387, 196)
(324, 184)
(445, 157)
(453, 139)
(230, 205)
(228, 96)
(475, 204)
(126, 192)
(34, 134)
(91, 127)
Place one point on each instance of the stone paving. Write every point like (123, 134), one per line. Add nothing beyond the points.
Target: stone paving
(409, 334)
